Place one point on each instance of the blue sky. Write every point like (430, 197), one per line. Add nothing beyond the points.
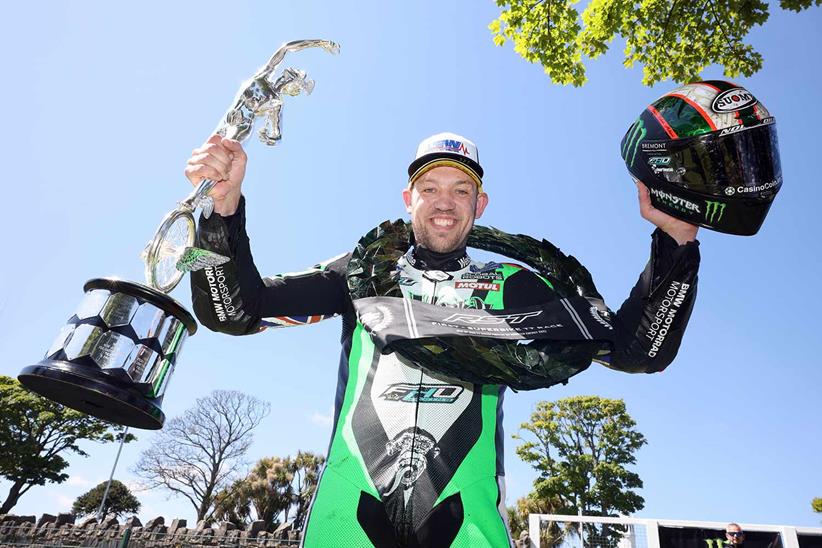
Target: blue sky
(104, 101)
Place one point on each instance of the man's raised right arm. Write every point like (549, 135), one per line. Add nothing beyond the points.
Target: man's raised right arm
(233, 298)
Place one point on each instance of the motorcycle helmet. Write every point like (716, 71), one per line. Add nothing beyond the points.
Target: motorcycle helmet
(709, 155)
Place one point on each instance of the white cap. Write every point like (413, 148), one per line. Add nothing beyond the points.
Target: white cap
(446, 149)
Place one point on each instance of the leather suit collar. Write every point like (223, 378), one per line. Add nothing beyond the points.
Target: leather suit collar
(425, 259)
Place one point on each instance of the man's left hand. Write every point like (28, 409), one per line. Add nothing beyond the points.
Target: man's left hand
(680, 231)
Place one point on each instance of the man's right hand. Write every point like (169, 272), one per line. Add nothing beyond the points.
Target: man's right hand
(223, 161)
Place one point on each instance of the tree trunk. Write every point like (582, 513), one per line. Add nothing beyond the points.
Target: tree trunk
(12, 497)
(205, 505)
(201, 511)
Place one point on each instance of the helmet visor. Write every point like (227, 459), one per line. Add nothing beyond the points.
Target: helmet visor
(742, 163)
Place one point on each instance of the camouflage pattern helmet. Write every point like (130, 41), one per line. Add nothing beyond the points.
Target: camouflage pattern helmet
(709, 155)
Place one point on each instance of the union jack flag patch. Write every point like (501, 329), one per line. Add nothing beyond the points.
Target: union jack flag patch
(291, 321)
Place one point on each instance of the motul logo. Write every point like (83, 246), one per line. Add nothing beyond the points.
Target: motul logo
(480, 286)
(733, 100)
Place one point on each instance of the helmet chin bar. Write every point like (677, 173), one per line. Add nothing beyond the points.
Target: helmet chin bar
(740, 217)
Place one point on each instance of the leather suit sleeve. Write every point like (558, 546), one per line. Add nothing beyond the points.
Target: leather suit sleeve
(649, 326)
(233, 298)
(651, 322)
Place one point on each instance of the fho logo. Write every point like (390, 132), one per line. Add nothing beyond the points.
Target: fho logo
(733, 100)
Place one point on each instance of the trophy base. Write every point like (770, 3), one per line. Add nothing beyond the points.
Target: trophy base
(89, 390)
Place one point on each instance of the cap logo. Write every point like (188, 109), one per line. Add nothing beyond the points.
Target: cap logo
(450, 145)
(733, 100)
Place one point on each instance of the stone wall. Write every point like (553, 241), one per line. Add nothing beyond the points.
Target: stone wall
(62, 530)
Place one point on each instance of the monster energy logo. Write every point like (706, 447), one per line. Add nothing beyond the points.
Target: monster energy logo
(718, 542)
(636, 135)
(675, 202)
(714, 211)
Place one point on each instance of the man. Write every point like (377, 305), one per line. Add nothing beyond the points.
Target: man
(734, 535)
(416, 458)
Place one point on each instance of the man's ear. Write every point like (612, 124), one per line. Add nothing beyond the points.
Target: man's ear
(406, 197)
(482, 203)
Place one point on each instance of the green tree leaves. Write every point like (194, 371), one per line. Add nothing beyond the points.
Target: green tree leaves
(798, 5)
(542, 31)
(35, 434)
(532, 504)
(674, 39)
(580, 448)
(119, 501)
(277, 489)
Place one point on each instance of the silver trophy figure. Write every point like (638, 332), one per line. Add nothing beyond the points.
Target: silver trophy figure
(171, 253)
(114, 357)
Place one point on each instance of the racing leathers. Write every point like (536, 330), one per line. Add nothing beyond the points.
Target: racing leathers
(416, 459)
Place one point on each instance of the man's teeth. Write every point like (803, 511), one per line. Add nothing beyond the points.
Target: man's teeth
(444, 222)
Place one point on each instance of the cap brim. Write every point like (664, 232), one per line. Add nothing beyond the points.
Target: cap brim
(445, 162)
(431, 156)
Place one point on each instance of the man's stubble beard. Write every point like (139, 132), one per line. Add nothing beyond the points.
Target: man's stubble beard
(423, 239)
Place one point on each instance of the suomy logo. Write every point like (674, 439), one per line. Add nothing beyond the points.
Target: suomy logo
(733, 100)
(714, 211)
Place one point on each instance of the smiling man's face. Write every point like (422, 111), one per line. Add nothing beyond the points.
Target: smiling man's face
(443, 204)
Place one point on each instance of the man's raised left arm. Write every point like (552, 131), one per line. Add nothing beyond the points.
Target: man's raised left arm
(650, 324)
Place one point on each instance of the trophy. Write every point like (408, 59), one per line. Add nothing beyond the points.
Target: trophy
(115, 355)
